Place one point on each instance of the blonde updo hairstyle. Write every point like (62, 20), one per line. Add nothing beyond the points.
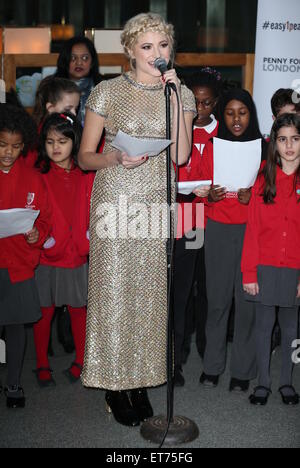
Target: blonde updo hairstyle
(143, 23)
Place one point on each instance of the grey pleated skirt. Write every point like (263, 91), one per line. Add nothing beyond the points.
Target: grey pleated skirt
(277, 286)
(62, 286)
(19, 302)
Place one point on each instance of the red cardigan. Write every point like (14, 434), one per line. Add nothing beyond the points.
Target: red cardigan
(229, 210)
(273, 230)
(16, 255)
(187, 211)
(69, 230)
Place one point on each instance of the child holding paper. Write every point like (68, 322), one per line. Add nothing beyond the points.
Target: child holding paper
(62, 274)
(20, 187)
(223, 247)
(189, 251)
(271, 255)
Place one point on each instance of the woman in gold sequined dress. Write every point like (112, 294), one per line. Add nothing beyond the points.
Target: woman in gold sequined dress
(127, 304)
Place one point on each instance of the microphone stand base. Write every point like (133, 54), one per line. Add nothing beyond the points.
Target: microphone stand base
(182, 430)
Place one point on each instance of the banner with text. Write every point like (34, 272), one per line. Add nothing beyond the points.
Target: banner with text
(277, 55)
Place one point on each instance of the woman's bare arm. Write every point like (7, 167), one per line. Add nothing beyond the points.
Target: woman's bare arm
(186, 121)
(185, 136)
(88, 159)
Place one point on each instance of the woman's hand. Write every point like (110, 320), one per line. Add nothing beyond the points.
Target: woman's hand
(129, 162)
(251, 288)
(244, 196)
(202, 191)
(171, 77)
(216, 193)
(32, 236)
(298, 291)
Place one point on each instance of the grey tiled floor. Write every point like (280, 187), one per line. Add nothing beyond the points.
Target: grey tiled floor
(72, 416)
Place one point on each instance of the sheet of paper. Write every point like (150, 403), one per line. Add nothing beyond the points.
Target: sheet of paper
(138, 147)
(16, 221)
(188, 187)
(236, 164)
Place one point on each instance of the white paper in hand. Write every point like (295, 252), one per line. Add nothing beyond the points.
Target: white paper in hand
(236, 164)
(186, 188)
(137, 146)
(17, 221)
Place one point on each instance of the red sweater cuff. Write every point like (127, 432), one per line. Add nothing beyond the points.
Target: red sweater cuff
(249, 277)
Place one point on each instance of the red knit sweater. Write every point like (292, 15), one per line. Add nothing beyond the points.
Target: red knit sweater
(273, 230)
(187, 213)
(16, 255)
(229, 210)
(69, 194)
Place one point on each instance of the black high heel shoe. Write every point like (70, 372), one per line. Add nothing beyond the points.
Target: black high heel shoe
(141, 404)
(119, 405)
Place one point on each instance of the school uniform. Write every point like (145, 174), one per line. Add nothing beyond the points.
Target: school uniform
(62, 276)
(271, 258)
(223, 248)
(187, 249)
(21, 187)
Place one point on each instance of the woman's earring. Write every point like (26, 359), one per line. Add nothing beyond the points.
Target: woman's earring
(132, 63)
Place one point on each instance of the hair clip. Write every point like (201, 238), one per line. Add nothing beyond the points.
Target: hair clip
(212, 71)
(67, 118)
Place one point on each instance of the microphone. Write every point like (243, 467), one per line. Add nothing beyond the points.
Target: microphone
(162, 66)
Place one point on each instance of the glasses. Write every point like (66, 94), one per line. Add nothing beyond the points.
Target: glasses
(205, 104)
(84, 58)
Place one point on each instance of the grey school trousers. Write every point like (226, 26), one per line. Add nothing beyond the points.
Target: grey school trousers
(223, 250)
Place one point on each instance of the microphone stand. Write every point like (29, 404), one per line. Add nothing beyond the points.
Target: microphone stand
(171, 430)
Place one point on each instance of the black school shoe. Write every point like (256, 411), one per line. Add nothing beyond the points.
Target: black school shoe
(291, 400)
(44, 383)
(15, 397)
(260, 400)
(209, 381)
(239, 386)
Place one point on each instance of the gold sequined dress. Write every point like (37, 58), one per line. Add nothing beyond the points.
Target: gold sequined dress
(127, 303)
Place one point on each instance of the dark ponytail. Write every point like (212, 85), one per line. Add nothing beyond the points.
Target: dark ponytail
(51, 90)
